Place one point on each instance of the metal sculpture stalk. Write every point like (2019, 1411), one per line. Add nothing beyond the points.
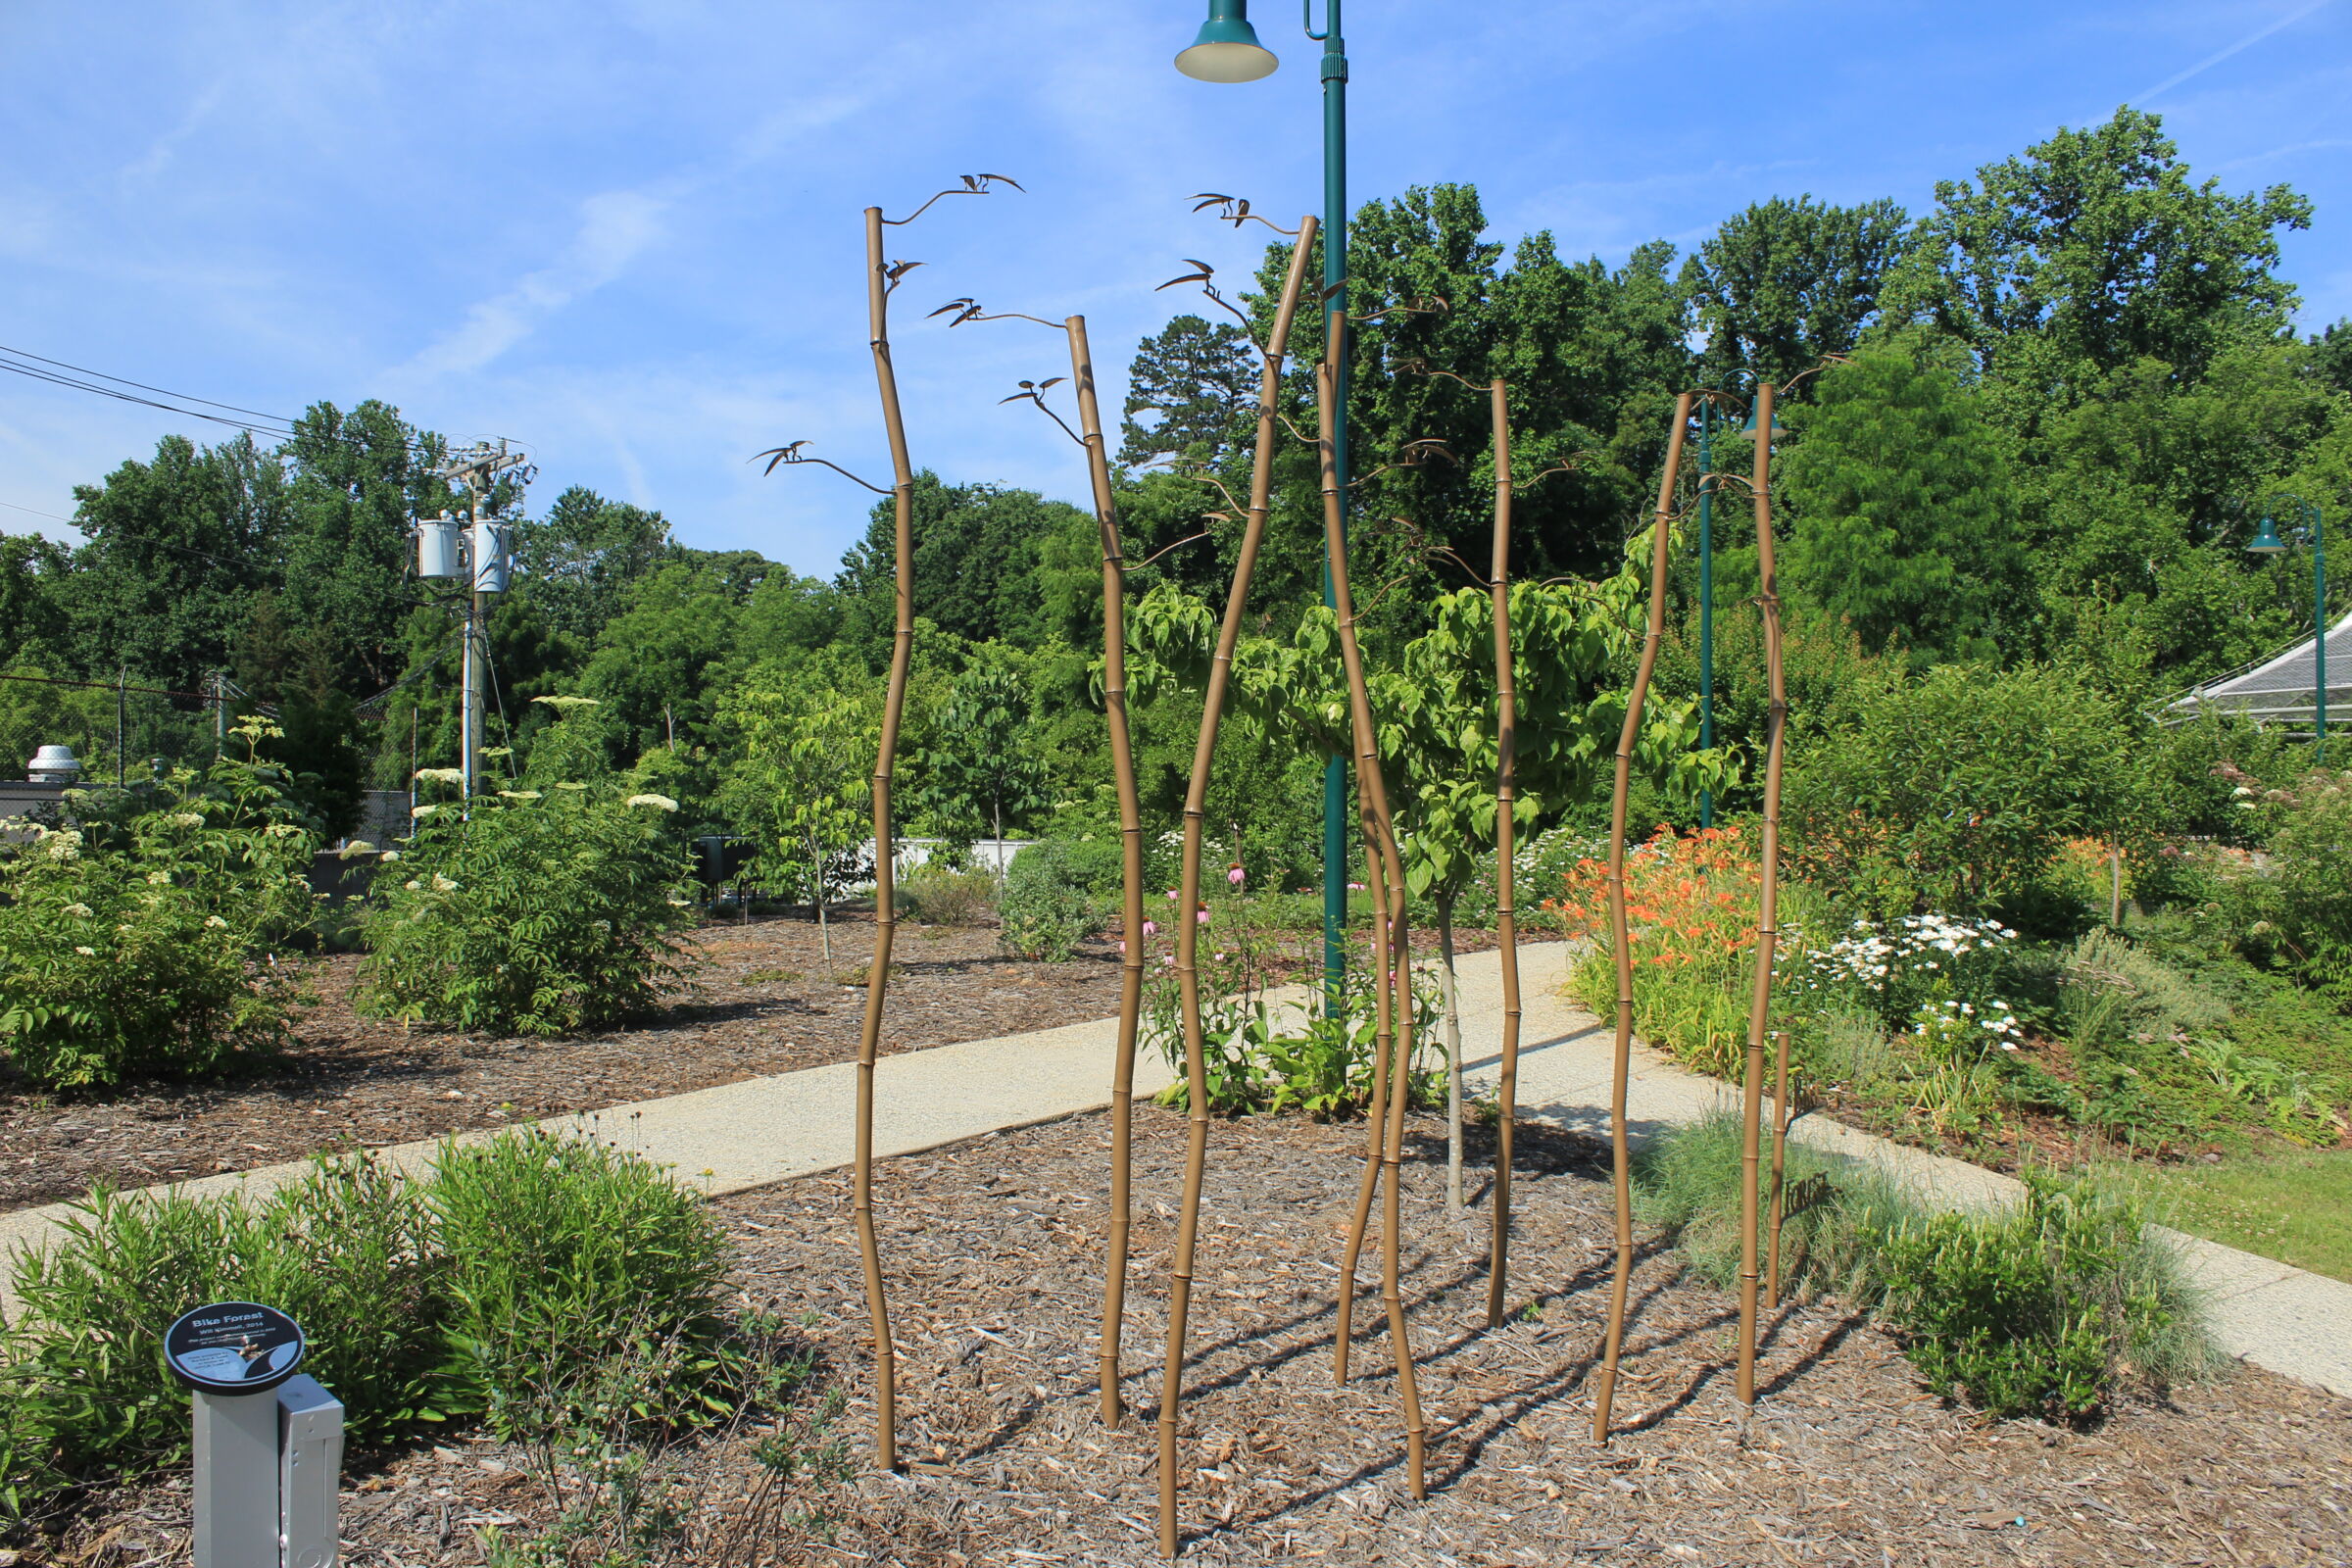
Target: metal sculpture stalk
(1776, 720)
(1187, 941)
(1507, 926)
(1396, 973)
(1620, 932)
(886, 923)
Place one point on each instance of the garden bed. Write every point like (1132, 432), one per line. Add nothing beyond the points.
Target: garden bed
(994, 1249)
(763, 1002)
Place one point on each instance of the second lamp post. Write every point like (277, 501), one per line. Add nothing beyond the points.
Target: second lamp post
(1227, 50)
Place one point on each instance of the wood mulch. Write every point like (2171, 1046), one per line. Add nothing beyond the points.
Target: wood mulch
(995, 1251)
(762, 1001)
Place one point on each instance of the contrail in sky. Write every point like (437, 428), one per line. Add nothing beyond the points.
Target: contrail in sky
(2211, 61)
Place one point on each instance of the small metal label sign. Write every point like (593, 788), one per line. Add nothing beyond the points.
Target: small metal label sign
(233, 1348)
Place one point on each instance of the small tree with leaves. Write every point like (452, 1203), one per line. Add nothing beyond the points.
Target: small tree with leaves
(799, 782)
(984, 765)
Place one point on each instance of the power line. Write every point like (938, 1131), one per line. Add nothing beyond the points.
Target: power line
(184, 397)
(276, 426)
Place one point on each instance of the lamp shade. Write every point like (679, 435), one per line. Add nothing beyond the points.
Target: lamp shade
(1227, 49)
(1778, 428)
(2265, 539)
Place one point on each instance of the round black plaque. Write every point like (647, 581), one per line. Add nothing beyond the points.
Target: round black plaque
(233, 1348)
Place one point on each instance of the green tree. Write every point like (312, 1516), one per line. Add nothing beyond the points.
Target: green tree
(356, 481)
(983, 765)
(178, 548)
(983, 555)
(1201, 378)
(1905, 520)
(1784, 283)
(799, 780)
(33, 621)
(2099, 244)
(579, 562)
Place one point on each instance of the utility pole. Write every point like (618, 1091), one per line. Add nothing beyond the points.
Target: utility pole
(477, 469)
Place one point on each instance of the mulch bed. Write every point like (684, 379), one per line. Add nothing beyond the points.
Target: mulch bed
(994, 1249)
(763, 1002)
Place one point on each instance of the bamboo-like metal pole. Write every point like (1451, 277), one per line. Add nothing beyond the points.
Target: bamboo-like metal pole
(886, 919)
(1187, 929)
(1780, 1165)
(1398, 976)
(1376, 1115)
(1760, 1007)
(1506, 927)
(1131, 816)
(1620, 931)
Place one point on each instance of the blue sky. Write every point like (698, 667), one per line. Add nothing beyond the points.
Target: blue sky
(628, 235)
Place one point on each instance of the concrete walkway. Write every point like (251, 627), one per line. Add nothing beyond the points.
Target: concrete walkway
(768, 1129)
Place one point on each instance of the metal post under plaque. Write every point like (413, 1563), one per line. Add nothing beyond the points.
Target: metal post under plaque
(269, 1443)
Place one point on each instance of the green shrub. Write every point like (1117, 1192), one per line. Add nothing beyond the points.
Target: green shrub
(2047, 1309)
(1687, 1183)
(938, 897)
(147, 941)
(346, 1249)
(2299, 916)
(1953, 792)
(528, 912)
(1056, 893)
(563, 1254)
(2044, 1309)
(543, 1283)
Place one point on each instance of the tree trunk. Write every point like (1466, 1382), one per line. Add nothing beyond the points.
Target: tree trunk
(825, 932)
(1453, 1058)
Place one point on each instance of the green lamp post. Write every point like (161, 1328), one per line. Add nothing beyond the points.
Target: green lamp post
(2267, 541)
(1227, 50)
(1707, 418)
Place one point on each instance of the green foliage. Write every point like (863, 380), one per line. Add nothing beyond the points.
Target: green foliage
(982, 770)
(935, 895)
(1954, 791)
(2098, 243)
(579, 561)
(1905, 520)
(2044, 1309)
(1058, 893)
(529, 912)
(2298, 915)
(1782, 284)
(800, 784)
(1263, 1057)
(346, 1249)
(543, 1283)
(567, 1261)
(1687, 1183)
(2049, 1307)
(146, 941)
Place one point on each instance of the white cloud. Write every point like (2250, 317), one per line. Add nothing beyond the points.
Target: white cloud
(615, 228)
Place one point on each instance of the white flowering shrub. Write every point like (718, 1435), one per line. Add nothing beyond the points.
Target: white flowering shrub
(146, 935)
(1908, 966)
(527, 912)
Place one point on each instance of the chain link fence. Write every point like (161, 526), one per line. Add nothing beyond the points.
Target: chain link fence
(120, 731)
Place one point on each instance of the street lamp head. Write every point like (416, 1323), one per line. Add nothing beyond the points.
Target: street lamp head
(1778, 428)
(2265, 539)
(1227, 49)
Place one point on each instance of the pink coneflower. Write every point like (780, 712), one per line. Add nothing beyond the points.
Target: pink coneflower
(1236, 876)
(1355, 887)
(1201, 919)
(1151, 928)
(1171, 895)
